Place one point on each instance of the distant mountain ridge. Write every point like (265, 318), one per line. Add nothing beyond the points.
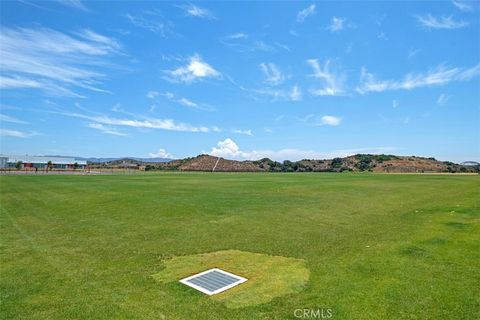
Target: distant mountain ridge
(470, 163)
(104, 160)
(142, 160)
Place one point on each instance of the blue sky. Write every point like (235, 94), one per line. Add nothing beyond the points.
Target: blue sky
(242, 80)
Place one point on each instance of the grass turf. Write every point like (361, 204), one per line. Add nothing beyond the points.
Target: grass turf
(377, 246)
(268, 276)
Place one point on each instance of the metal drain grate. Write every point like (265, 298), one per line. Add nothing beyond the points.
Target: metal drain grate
(213, 281)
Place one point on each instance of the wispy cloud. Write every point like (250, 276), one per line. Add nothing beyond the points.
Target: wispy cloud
(168, 95)
(463, 5)
(292, 94)
(438, 76)
(187, 103)
(104, 129)
(16, 133)
(152, 94)
(196, 11)
(55, 62)
(6, 118)
(161, 153)
(413, 52)
(184, 101)
(303, 14)
(273, 76)
(333, 81)
(395, 104)
(442, 22)
(243, 42)
(442, 99)
(238, 35)
(76, 4)
(330, 121)
(196, 69)
(337, 24)
(317, 121)
(230, 150)
(244, 132)
(151, 20)
(149, 123)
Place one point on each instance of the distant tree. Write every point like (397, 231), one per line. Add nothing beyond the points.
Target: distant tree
(336, 163)
(49, 165)
(75, 165)
(19, 165)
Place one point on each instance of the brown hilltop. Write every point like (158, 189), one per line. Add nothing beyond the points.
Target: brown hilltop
(358, 162)
(210, 163)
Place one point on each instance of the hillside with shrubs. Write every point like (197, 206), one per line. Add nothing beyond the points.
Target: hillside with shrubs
(357, 163)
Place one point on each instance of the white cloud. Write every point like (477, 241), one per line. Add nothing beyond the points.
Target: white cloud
(245, 132)
(230, 150)
(151, 20)
(442, 99)
(395, 104)
(104, 129)
(55, 62)
(168, 95)
(462, 5)
(196, 11)
(273, 76)
(161, 153)
(440, 75)
(152, 94)
(469, 73)
(238, 35)
(149, 123)
(413, 52)
(293, 94)
(303, 14)
(317, 121)
(332, 81)
(187, 103)
(196, 69)
(116, 108)
(5, 118)
(443, 22)
(19, 82)
(337, 24)
(110, 44)
(76, 4)
(330, 121)
(382, 36)
(16, 133)
(243, 42)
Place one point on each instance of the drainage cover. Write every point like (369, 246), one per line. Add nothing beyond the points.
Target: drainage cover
(213, 281)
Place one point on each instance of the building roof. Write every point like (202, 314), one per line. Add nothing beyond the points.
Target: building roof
(43, 160)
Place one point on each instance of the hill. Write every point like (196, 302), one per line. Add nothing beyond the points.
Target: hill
(358, 162)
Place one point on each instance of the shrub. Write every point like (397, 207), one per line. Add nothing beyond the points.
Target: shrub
(336, 163)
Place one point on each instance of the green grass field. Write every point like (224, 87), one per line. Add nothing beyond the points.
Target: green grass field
(366, 246)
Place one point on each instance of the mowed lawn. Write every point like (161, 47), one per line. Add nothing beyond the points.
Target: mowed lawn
(377, 246)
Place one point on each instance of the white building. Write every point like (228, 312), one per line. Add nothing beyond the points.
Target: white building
(40, 162)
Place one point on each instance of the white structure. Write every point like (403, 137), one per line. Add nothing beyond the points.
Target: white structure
(40, 162)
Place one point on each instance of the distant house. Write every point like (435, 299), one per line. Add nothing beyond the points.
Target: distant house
(12, 161)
